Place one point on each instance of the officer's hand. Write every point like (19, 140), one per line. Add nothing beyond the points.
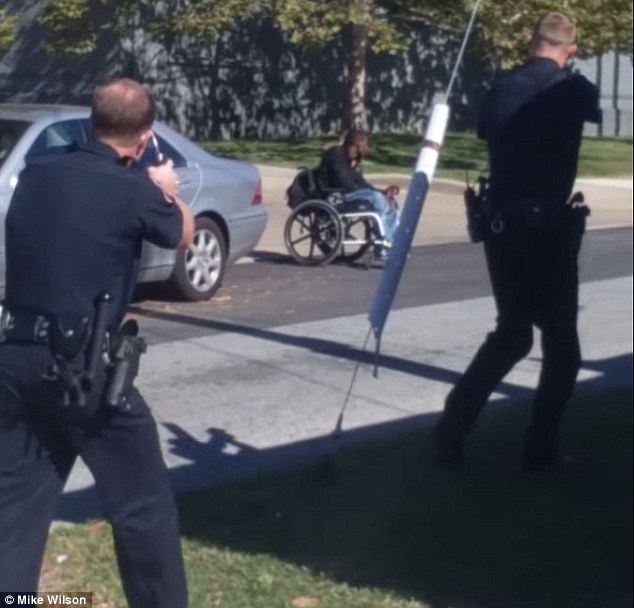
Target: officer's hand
(165, 178)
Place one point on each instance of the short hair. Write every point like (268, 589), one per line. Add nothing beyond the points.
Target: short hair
(121, 109)
(354, 136)
(555, 29)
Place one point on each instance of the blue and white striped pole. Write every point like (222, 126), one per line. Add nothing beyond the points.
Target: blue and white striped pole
(419, 186)
(417, 192)
(416, 195)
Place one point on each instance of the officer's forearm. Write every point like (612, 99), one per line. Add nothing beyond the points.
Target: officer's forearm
(187, 235)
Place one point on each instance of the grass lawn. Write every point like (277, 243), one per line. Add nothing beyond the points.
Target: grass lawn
(382, 528)
(600, 157)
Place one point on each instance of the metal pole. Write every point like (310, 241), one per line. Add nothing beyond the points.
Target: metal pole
(417, 192)
(615, 93)
(465, 39)
(599, 86)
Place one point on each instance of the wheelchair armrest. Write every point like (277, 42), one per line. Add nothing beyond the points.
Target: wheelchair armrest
(331, 190)
(355, 206)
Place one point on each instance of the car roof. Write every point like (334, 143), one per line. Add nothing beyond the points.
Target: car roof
(34, 112)
(47, 113)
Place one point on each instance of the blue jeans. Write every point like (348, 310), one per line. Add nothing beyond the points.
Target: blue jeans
(380, 204)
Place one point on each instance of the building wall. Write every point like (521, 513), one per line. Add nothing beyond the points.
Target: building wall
(613, 75)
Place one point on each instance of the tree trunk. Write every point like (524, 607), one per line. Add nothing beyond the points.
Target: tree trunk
(354, 116)
(215, 131)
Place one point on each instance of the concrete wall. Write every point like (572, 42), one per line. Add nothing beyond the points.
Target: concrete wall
(613, 75)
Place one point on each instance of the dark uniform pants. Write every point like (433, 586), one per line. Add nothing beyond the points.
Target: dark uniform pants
(121, 449)
(533, 268)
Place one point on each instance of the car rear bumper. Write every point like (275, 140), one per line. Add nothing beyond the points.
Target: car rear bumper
(246, 231)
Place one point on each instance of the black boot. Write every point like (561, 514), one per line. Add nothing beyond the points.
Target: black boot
(449, 448)
(456, 422)
(541, 452)
(450, 434)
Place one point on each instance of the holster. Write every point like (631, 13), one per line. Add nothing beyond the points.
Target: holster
(533, 219)
(125, 355)
(74, 381)
(68, 338)
(477, 210)
(574, 218)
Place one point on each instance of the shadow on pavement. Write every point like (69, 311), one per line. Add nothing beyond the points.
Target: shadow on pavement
(271, 257)
(223, 458)
(326, 347)
(365, 262)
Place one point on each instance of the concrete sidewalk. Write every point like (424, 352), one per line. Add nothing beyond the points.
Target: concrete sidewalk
(443, 219)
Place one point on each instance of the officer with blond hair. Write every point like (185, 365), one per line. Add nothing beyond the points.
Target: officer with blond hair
(532, 121)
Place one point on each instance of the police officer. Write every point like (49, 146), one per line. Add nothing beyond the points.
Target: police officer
(74, 230)
(532, 120)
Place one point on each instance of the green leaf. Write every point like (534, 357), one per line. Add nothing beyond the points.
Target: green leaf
(7, 29)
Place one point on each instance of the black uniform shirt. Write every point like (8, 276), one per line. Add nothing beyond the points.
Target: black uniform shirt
(335, 171)
(532, 120)
(75, 228)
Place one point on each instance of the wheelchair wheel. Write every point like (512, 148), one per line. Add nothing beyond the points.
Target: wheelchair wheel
(313, 233)
(357, 238)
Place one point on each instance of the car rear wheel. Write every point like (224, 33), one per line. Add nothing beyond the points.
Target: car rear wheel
(200, 268)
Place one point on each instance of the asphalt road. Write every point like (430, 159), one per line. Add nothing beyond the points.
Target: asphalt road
(274, 291)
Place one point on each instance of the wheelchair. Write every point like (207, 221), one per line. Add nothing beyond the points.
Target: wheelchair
(322, 227)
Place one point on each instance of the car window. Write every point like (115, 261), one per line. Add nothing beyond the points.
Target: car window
(57, 138)
(10, 133)
(149, 156)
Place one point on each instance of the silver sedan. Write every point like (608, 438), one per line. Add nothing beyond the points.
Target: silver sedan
(225, 195)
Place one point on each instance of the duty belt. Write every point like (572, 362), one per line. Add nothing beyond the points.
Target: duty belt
(24, 328)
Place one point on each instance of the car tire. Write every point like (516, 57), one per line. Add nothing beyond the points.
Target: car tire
(199, 269)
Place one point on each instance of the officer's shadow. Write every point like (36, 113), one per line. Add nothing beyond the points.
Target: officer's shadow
(220, 444)
(196, 464)
(193, 465)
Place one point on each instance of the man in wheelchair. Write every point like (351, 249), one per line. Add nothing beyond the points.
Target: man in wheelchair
(340, 169)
